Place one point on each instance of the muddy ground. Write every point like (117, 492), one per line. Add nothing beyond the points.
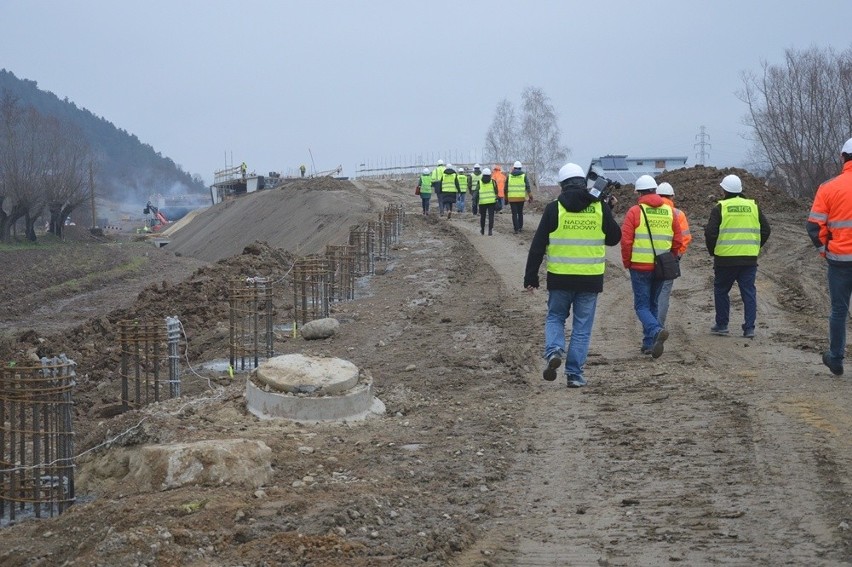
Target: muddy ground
(723, 451)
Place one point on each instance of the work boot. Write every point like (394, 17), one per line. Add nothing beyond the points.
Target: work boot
(490, 233)
(659, 339)
(482, 231)
(554, 361)
(835, 367)
(720, 330)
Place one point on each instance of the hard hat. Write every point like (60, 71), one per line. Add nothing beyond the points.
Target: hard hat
(460, 170)
(486, 171)
(570, 170)
(476, 166)
(440, 162)
(665, 189)
(732, 184)
(847, 147)
(517, 165)
(449, 166)
(425, 171)
(645, 183)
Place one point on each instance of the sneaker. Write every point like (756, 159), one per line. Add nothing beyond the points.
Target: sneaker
(719, 330)
(659, 339)
(575, 381)
(748, 333)
(554, 361)
(835, 367)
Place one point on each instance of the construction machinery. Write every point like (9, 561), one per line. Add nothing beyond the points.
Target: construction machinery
(156, 219)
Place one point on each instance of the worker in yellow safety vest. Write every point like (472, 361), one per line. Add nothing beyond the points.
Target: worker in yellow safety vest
(573, 232)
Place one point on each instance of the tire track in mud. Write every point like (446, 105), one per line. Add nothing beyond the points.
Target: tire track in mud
(710, 454)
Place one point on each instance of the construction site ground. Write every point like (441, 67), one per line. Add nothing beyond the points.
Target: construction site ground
(724, 451)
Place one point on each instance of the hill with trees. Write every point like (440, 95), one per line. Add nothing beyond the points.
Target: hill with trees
(123, 168)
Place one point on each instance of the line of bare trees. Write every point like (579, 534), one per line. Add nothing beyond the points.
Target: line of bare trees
(45, 167)
(532, 138)
(800, 113)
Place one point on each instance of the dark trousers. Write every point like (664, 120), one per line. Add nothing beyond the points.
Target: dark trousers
(517, 215)
(723, 281)
(486, 210)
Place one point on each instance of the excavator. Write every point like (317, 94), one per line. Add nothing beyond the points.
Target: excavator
(157, 221)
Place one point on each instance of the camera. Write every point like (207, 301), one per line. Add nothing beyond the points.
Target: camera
(600, 187)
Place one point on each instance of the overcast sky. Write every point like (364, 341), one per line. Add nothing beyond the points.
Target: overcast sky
(211, 83)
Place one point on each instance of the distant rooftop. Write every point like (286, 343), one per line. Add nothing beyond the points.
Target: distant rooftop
(627, 170)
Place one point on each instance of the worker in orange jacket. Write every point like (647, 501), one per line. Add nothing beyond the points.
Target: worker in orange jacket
(666, 191)
(830, 227)
(640, 241)
(500, 177)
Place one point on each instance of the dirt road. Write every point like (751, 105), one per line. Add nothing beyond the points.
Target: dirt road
(723, 451)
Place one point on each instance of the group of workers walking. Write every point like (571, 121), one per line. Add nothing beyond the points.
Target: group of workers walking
(577, 226)
(489, 190)
(575, 230)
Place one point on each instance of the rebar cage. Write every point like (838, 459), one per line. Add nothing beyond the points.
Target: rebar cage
(250, 323)
(36, 439)
(150, 361)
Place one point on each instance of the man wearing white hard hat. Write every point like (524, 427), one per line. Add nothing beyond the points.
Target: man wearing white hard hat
(830, 228)
(666, 191)
(735, 233)
(437, 178)
(573, 232)
(649, 229)
(518, 191)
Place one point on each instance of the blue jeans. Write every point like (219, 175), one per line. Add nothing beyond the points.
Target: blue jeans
(460, 202)
(559, 302)
(646, 293)
(663, 301)
(723, 281)
(839, 289)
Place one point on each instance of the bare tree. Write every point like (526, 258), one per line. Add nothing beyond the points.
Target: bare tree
(501, 141)
(67, 187)
(540, 135)
(800, 113)
(42, 165)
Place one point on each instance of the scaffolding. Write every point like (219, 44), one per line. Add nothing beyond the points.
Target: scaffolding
(311, 285)
(36, 439)
(251, 335)
(149, 361)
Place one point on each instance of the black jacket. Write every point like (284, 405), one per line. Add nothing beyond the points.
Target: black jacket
(711, 235)
(574, 198)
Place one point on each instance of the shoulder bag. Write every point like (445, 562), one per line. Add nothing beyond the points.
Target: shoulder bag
(666, 266)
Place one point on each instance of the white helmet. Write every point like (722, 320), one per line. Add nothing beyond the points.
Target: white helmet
(847, 147)
(460, 170)
(665, 189)
(440, 162)
(570, 170)
(645, 183)
(517, 165)
(732, 184)
(425, 171)
(450, 166)
(476, 166)
(486, 171)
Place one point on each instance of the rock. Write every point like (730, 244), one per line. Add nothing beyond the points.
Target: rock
(320, 329)
(223, 461)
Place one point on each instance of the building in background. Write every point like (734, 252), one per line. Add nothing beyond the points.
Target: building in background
(627, 170)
